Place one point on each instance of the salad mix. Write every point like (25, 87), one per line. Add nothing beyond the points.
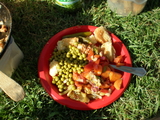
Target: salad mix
(80, 66)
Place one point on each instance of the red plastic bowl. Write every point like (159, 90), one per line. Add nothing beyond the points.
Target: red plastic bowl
(45, 78)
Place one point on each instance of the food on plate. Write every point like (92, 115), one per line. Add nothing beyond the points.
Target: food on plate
(117, 84)
(3, 28)
(80, 68)
(119, 61)
(3, 36)
(108, 50)
(102, 35)
(113, 76)
(83, 34)
(63, 44)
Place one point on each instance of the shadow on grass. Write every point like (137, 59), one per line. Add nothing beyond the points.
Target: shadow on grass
(151, 5)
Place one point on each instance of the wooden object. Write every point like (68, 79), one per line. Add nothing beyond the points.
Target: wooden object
(11, 87)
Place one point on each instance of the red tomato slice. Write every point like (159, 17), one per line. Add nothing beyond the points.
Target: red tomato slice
(75, 76)
(96, 59)
(90, 54)
(119, 59)
(82, 78)
(104, 90)
(85, 75)
(97, 69)
(112, 88)
(89, 67)
(104, 61)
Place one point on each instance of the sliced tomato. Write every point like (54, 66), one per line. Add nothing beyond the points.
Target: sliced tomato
(90, 55)
(75, 76)
(105, 67)
(96, 56)
(104, 90)
(105, 84)
(104, 61)
(96, 59)
(97, 69)
(82, 78)
(89, 86)
(120, 64)
(112, 88)
(84, 74)
(89, 67)
(119, 59)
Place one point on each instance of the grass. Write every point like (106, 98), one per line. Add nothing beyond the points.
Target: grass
(36, 21)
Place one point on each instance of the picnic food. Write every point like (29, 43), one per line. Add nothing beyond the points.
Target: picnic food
(3, 37)
(80, 67)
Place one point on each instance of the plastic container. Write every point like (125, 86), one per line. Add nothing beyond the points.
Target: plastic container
(11, 58)
(126, 7)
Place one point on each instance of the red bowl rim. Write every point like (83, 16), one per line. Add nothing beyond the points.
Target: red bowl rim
(45, 78)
